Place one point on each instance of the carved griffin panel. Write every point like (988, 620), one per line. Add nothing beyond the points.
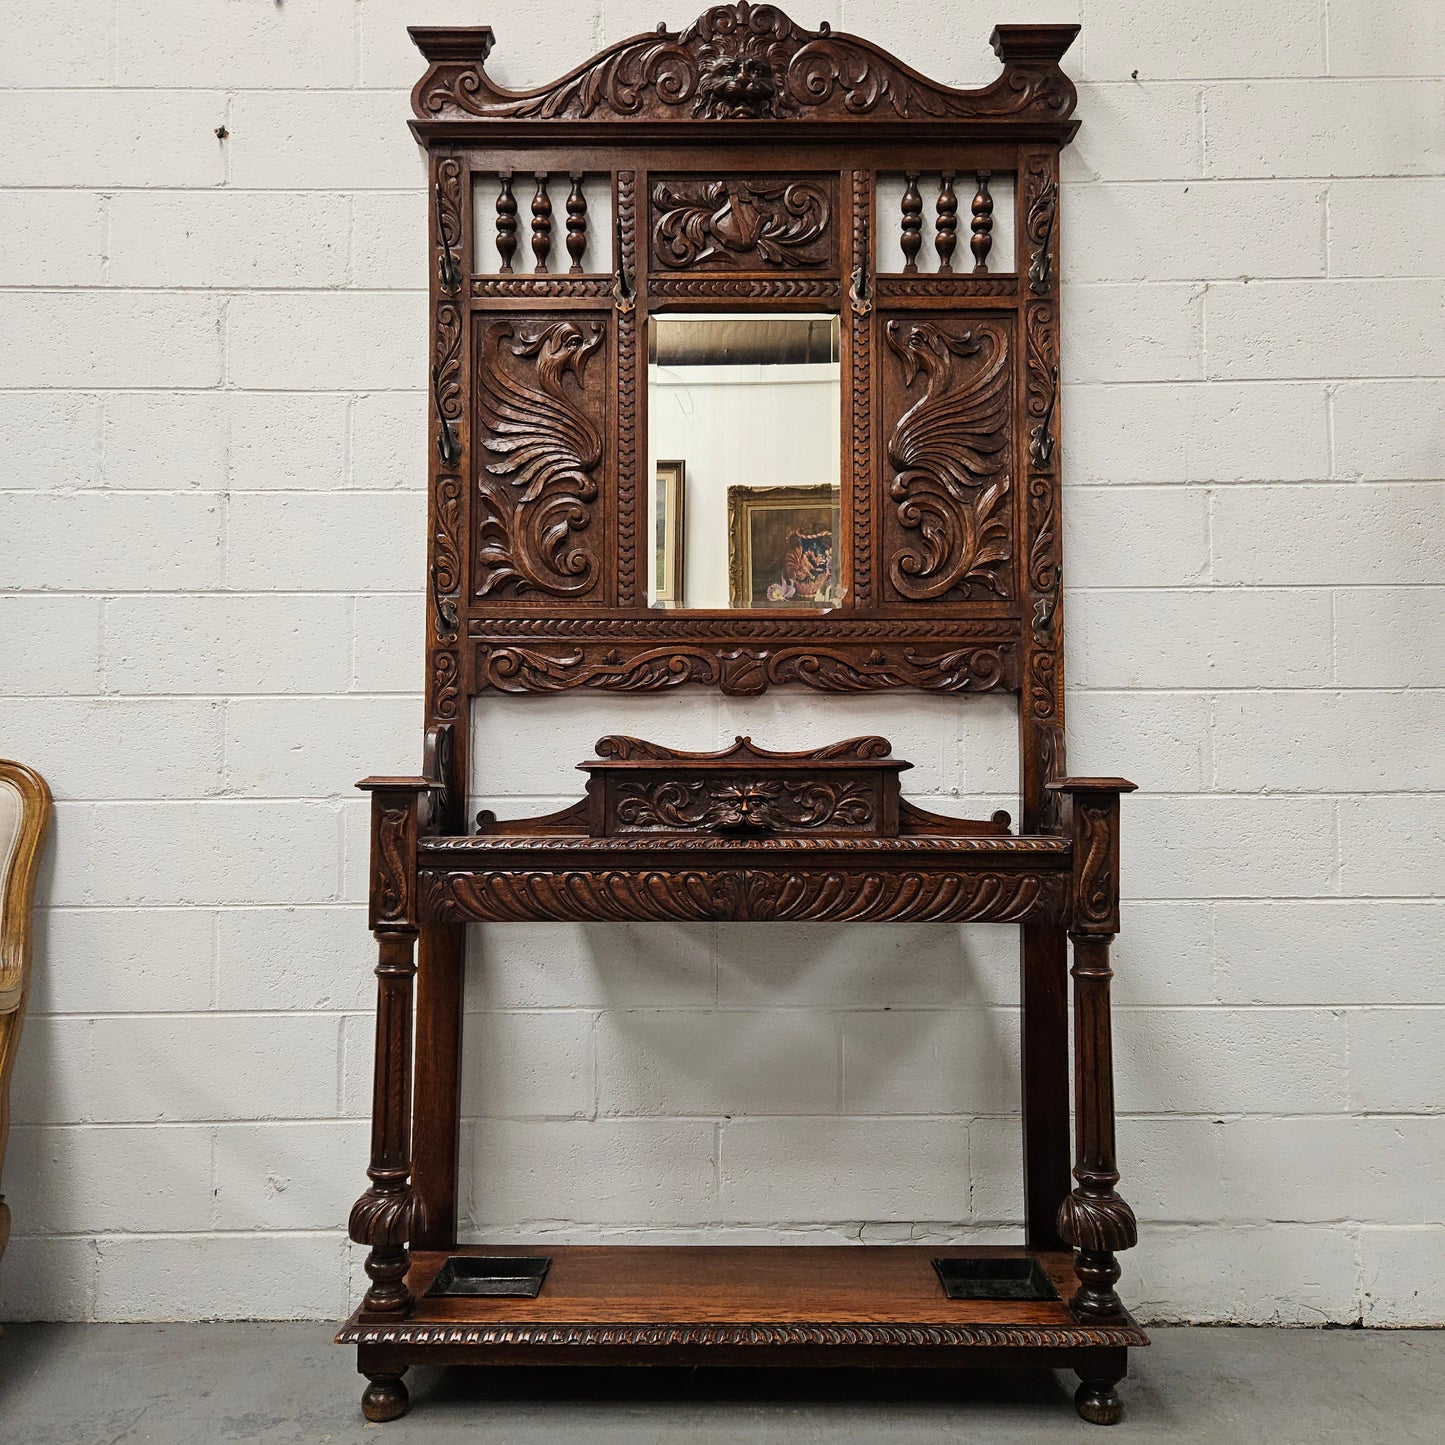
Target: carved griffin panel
(542, 437)
(740, 224)
(950, 531)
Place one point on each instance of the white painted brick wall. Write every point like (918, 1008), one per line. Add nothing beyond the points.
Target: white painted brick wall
(212, 455)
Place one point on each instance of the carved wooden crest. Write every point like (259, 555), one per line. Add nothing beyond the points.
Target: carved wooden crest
(740, 62)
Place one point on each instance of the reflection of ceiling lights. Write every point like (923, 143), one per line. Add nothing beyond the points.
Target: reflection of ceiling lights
(742, 340)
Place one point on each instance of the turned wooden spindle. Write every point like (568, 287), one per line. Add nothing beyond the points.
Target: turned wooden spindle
(541, 224)
(506, 223)
(912, 229)
(388, 1215)
(576, 222)
(946, 234)
(981, 242)
(1093, 1218)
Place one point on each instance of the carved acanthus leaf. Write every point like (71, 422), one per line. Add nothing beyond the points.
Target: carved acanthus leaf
(736, 223)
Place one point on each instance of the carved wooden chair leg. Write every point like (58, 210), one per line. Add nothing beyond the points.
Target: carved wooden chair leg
(385, 1397)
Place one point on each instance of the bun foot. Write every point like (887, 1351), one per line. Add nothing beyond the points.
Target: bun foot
(385, 1398)
(1098, 1402)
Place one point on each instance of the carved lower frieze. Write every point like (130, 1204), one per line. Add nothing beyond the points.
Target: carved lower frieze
(677, 895)
(746, 671)
(1058, 1337)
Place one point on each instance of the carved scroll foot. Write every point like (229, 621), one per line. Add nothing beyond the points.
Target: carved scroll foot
(1098, 1402)
(385, 1398)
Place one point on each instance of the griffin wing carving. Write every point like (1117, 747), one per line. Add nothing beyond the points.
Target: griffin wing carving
(539, 489)
(949, 455)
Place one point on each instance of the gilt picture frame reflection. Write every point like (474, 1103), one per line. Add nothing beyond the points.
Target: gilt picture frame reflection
(669, 504)
(783, 547)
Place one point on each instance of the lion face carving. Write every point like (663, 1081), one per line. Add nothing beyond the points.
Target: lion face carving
(740, 81)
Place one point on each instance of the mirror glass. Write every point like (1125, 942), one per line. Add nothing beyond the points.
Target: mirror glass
(744, 451)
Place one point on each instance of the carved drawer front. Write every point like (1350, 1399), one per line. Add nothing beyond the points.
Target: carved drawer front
(849, 789)
(947, 503)
(778, 225)
(542, 384)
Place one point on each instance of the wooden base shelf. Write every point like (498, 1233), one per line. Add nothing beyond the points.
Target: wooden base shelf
(726, 1305)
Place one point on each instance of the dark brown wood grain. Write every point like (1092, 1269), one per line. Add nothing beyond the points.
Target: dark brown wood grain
(744, 156)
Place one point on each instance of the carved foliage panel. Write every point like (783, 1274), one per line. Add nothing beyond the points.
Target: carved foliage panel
(947, 473)
(779, 224)
(542, 399)
(1038, 446)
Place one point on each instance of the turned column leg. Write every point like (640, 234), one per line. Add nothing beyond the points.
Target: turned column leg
(388, 1216)
(1093, 1218)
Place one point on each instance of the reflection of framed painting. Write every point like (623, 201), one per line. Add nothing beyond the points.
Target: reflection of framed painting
(669, 510)
(783, 546)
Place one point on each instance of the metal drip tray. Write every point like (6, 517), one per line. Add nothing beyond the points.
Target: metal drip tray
(490, 1274)
(1002, 1277)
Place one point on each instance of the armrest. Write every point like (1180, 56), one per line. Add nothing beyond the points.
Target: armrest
(407, 784)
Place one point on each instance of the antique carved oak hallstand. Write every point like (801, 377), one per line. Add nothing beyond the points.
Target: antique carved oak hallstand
(743, 161)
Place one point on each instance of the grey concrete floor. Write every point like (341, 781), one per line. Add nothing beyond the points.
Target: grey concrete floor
(282, 1384)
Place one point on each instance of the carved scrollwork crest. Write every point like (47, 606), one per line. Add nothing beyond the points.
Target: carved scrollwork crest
(949, 456)
(737, 222)
(742, 62)
(538, 490)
